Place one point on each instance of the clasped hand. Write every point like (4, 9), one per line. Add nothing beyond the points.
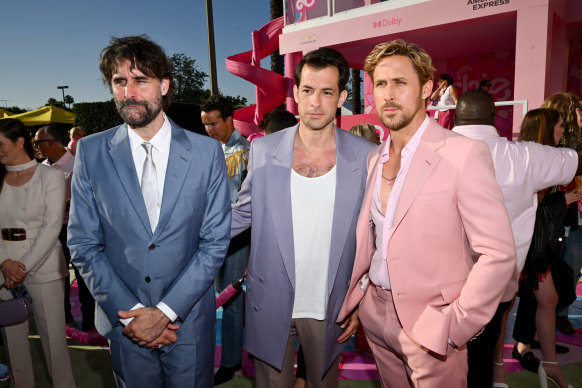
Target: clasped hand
(150, 327)
(14, 272)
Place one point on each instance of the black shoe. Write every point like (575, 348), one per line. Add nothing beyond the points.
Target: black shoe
(527, 360)
(560, 349)
(564, 326)
(225, 373)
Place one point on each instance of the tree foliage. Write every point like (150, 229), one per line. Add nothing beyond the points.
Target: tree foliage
(54, 102)
(277, 60)
(15, 109)
(188, 79)
(69, 100)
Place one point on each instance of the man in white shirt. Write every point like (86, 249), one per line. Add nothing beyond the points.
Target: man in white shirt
(48, 141)
(149, 226)
(302, 196)
(521, 170)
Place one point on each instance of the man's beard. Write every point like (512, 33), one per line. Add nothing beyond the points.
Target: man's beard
(136, 117)
(400, 119)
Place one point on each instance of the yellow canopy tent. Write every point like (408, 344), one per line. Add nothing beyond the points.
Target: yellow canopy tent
(4, 113)
(45, 115)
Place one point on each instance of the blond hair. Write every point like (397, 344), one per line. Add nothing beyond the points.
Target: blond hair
(75, 131)
(420, 59)
(367, 131)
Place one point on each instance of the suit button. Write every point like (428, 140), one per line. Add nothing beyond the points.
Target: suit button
(261, 279)
(256, 308)
(147, 279)
(152, 247)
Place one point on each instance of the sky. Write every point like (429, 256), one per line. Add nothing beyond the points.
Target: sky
(46, 44)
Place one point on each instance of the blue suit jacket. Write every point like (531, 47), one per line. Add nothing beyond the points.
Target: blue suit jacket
(113, 247)
(265, 203)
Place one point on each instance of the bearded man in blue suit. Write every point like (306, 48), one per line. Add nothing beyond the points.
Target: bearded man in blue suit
(150, 226)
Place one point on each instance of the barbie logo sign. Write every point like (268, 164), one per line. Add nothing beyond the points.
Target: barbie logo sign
(304, 4)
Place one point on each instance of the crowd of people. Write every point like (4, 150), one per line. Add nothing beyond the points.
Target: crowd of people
(422, 241)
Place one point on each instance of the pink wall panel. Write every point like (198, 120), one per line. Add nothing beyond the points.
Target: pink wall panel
(467, 73)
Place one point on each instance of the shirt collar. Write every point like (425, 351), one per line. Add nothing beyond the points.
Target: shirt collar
(412, 144)
(160, 141)
(233, 138)
(477, 131)
(64, 159)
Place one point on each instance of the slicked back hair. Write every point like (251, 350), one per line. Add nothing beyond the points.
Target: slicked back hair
(420, 59)
(322, 58)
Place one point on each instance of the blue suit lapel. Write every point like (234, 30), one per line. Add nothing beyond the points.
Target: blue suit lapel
(178, 165)
(279, 196)
(348, 180)
(120, 151)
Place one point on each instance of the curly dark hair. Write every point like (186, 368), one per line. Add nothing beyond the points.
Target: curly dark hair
(219, 103)
(566, 104)
(143, 54)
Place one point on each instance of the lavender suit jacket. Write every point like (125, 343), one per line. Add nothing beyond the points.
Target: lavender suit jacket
(265, 203)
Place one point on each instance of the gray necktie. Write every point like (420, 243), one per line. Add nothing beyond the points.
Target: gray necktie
(149, 185)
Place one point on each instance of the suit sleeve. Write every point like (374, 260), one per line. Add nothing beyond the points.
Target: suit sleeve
(52, 222)
(87, 243)
(488, 230)
(214, 238)
(241, 210)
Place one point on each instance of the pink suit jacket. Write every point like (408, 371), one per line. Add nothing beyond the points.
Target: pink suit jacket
(450, 209)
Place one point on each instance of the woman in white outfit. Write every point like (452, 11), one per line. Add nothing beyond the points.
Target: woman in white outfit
(32, 205)
(446, 93)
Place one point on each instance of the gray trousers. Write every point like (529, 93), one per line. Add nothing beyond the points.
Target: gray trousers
(311, 334)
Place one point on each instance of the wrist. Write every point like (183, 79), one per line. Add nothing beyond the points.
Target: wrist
(3, 263)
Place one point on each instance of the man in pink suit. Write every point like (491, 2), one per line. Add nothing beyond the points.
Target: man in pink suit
(434, 244)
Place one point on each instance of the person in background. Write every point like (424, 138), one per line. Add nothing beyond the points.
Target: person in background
(75, 134)
(447, 94)
(536, 311)
(48, 143)
(570, 108)
(485, 85)
(217, 116)
(521, 169)
(279, 119)
(32, 206)
(367, 131)
(149, 226)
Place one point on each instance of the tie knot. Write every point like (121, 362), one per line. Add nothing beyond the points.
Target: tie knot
(147, 147)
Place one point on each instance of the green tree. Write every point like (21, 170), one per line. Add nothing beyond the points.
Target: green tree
(188, 79)
(277, 61)
(15, 109)
(69, 100)
(54, 102)
(356, 95)
(237, 101)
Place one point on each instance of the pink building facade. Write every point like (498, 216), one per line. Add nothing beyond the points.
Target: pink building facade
(529, 49)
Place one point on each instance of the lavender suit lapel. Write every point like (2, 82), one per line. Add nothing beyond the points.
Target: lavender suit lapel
(348, 180)
(120, 151)
(278, 193)
(425, 160)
